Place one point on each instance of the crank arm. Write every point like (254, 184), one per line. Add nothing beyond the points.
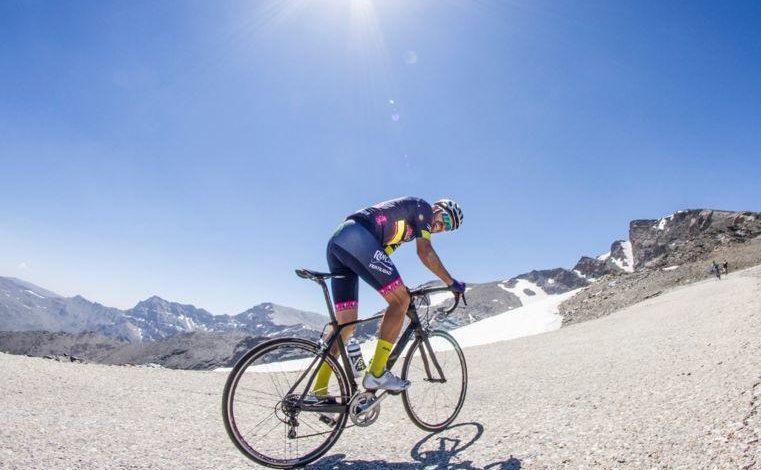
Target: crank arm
(375, 402)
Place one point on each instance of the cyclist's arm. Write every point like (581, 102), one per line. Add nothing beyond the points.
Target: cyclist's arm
(431, 260)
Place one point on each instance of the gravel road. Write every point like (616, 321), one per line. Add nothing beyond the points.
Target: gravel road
(672, 382)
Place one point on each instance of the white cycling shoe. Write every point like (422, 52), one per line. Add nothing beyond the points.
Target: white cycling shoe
(387, 381)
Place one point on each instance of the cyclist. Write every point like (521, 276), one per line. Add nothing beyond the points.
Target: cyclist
(360, 247)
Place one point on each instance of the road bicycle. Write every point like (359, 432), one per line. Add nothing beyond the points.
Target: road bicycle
(273, 419)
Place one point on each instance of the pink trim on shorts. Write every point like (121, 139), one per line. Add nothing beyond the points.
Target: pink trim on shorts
(390, 286)
(348, 305)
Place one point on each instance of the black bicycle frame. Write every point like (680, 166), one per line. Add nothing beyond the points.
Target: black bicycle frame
(414, 327)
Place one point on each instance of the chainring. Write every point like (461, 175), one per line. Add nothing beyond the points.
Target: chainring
(357, 407)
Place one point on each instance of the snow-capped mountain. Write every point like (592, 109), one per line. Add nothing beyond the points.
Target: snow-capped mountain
(619, 258)
(157, 318)
(494, 298)
(26, 307)
(272, 315)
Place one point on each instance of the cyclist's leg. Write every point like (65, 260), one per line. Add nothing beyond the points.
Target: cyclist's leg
(344, 290)
(398, 300)
(359, 250)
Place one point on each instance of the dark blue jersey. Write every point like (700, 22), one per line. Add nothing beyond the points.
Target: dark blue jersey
(397, 221)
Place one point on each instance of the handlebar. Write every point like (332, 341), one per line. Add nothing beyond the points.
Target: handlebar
(424, 291)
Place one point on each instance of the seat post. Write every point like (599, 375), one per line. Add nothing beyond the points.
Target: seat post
(328, 300)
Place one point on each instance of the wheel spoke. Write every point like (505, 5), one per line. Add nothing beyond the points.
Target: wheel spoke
(252, 404)
(433, 405)
(260, 392)
(257, 392)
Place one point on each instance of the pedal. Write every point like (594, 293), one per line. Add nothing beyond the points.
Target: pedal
(328, 420)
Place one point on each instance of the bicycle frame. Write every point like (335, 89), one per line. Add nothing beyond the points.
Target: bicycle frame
(414, 327)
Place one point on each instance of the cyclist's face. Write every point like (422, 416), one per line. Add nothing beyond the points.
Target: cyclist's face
(438, 222)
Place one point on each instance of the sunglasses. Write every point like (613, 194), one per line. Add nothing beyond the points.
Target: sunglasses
(447, 221)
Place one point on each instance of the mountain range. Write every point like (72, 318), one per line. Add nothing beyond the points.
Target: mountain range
(36, 321)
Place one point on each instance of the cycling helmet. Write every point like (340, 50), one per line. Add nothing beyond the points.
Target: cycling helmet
(452, 213)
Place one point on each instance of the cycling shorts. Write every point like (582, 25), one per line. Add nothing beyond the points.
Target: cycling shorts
(354, 252)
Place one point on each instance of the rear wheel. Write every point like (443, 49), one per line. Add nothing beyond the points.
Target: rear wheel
(436, 394)
(264, 421)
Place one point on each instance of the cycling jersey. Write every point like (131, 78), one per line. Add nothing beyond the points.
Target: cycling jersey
(361, 245)
(397, 221)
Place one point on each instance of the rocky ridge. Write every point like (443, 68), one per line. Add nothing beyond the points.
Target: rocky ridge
(667, 252)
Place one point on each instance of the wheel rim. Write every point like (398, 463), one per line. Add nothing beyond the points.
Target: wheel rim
(430, 404)
(260, 414)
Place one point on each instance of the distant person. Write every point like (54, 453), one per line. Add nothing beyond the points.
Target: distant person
(716, 269)
(725, 267)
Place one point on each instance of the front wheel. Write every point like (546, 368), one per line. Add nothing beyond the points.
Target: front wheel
(261, 404)
(435, 366)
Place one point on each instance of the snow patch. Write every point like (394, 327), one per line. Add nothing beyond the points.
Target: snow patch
(442, 297)
(629, 253)
(604, 257)
(661, 225)
(521, 286)
(538, 317)
(671, 268)
(627, 264)
(186, 323)
(34, 293)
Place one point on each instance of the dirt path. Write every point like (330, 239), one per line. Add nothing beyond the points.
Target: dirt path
(673, 382)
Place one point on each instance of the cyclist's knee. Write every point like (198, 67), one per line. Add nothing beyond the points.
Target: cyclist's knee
(346, 316)
(398, 298)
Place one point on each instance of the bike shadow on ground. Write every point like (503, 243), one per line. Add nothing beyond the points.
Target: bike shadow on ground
(434, 451)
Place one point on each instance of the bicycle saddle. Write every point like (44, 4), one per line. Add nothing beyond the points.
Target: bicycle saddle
(314, 275)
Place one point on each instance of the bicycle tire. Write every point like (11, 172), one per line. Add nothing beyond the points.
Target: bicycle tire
(427, 389)
(232, 426)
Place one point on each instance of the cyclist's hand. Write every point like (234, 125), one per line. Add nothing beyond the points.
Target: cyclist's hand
(457, 286)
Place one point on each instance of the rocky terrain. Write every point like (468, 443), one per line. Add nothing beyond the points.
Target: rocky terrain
(197, 350)
(668, 252)
(671, 383)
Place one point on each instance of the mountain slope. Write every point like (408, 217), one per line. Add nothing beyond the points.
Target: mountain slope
(26, 307)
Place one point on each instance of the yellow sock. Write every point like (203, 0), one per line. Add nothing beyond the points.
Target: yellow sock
(322, 380)
(380, 359)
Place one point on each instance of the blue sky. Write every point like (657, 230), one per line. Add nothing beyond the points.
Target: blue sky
(201, 150)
